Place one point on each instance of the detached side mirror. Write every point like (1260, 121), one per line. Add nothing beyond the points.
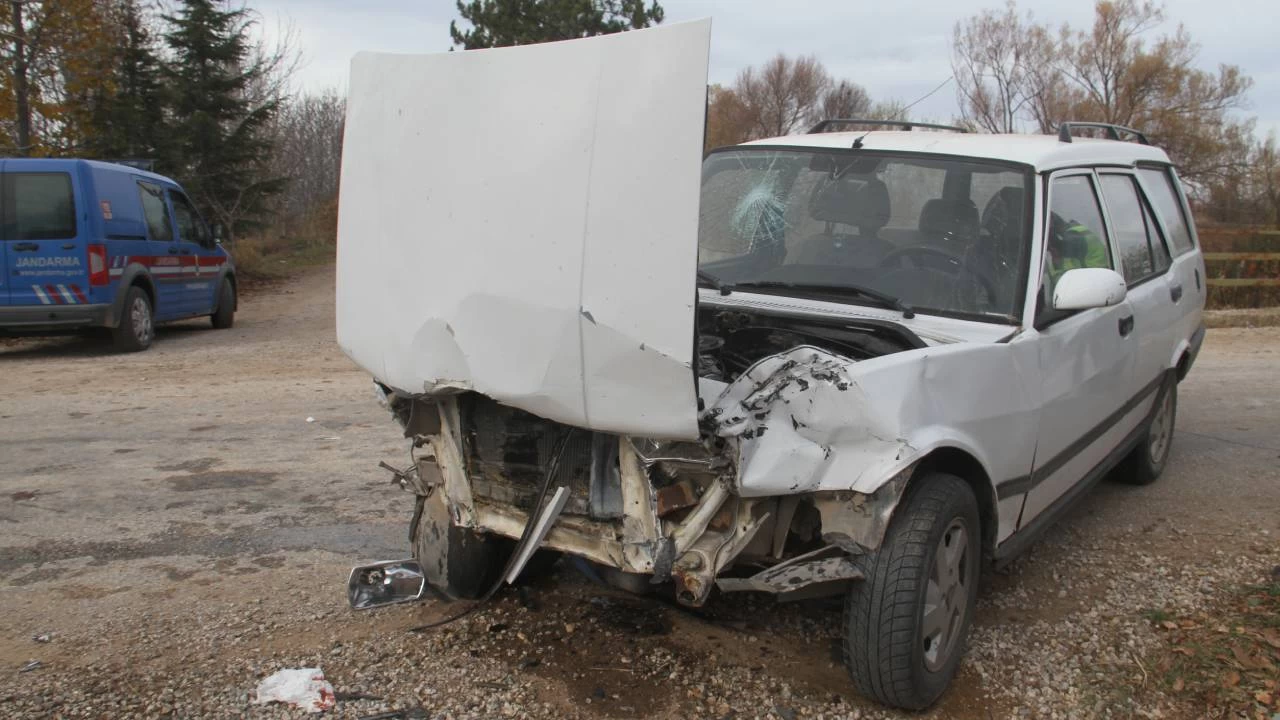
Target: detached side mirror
(1086, 288)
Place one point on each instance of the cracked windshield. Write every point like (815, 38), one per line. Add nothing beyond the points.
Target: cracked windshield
(943, 236)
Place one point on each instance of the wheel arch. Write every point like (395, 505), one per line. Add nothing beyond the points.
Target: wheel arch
(956, 461)
(134, 276)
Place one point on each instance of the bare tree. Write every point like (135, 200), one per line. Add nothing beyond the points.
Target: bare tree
(783, 94)
(989, 58)
(308, 151)
(843, 99)
(728, 120)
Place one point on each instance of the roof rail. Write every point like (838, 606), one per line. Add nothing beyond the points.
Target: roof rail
(904, 124)
(1113, 131)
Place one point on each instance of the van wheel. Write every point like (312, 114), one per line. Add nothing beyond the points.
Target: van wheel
(906, 622)
(224, 316)
(1146, 461)
(137, 325)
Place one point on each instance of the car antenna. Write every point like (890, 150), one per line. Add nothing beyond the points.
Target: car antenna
(857, 142)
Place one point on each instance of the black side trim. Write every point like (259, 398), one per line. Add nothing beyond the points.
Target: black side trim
(1025, 536)
(1026, 483)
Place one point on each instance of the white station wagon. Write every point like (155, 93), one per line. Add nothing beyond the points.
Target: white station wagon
(852, 361)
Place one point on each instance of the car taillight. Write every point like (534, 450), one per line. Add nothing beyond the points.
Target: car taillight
(98, 273)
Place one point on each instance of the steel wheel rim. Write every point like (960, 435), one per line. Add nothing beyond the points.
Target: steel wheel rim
(140, 314)
(1161, 430)
(946, 597)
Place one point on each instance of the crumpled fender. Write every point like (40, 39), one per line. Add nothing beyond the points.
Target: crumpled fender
(808, 420)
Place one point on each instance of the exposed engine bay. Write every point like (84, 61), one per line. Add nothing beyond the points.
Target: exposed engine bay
(731, 341)
(663, 511)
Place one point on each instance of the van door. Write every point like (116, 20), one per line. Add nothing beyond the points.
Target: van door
(164, 258)
(193, 239)
(43, 242)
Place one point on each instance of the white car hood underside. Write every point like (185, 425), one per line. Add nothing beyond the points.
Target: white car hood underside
(522, 222)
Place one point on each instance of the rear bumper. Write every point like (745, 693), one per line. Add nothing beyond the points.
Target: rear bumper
(41, 319)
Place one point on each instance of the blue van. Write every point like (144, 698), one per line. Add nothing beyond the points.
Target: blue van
(87, 244)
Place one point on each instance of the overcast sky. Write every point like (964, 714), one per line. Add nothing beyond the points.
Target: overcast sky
(897, 50)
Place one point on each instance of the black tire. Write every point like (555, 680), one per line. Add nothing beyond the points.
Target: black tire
(137, 326)
(1146, 462)
(885, 643)
(224, 315)
(460, 563)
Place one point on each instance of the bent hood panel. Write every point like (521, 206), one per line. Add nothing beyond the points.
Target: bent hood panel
(522, 222)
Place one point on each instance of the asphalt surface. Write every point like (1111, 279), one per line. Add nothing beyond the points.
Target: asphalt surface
(180, 522)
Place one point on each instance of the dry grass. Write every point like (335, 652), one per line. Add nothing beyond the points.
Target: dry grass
(1226, 663)
(278, 251)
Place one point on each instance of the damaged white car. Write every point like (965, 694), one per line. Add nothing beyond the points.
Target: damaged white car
(852, 361)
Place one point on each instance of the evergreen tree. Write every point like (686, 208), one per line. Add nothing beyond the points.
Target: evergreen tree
(222, 142)
(130, 121)
(497, 23)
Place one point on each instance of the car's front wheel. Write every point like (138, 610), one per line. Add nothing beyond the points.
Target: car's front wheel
(906, 622)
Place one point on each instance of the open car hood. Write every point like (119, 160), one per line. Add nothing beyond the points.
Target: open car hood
(522, 222)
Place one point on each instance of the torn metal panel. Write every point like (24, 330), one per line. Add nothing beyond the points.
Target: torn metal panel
(460, 253)
(856, 522)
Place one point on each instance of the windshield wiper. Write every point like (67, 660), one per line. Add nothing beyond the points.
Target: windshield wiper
(715, 282)
(882, 298)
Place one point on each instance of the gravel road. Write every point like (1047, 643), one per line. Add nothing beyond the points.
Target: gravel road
(179, 529)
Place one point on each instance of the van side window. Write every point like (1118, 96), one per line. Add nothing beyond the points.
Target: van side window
(156, 211)
(190, 227)
(38, 206)
(1164, 195)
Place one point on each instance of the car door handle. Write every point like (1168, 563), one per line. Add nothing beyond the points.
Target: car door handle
(26, 247)
(173, 251)
(1126, 325)
(1175, 292)
(69, 246)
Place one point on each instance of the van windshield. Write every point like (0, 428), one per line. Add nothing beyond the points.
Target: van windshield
(37, 206)
(948, 236)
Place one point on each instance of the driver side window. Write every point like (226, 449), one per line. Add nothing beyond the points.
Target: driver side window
(1076, 236)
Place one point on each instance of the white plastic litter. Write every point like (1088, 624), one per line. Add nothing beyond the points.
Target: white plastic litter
(311, 419)
(303, 688)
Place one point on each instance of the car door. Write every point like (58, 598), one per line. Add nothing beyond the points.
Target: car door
(1086, 359)
(1145, 262)
(164, 258)
(1186, 275)
(192, 241)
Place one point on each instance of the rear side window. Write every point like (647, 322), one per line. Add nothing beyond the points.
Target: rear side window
(1142, 249)
(156, 211)
(1164, 195)
(38, 206)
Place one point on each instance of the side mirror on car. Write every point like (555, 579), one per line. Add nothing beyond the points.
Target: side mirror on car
(217, 233)
(1085, 288)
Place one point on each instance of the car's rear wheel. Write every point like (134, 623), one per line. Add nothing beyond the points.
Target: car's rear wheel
(1146, 462)
(137, 324)
(224, 315)
(906, 622)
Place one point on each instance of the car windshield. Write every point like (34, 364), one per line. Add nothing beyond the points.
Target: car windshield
(947, 236)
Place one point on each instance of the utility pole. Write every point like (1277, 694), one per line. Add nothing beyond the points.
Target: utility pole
(21, 93)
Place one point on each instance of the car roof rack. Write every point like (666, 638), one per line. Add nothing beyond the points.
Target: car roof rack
(904, 124)
(1113, 131)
